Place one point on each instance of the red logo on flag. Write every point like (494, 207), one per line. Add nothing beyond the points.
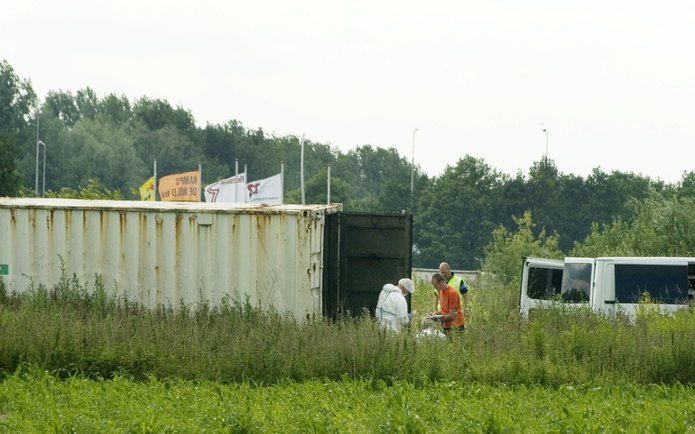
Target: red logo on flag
(253, 188)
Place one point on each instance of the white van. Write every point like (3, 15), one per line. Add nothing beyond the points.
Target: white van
(608, 285)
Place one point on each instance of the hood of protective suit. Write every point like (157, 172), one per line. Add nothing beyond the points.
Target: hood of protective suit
(389, 287)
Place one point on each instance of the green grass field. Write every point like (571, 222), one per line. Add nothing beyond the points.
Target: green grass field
(34, 401)
(74, 360)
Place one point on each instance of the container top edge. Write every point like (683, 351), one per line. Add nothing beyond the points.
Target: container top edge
(130, 205)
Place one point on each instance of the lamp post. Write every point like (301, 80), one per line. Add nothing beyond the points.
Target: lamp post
(545, 130)
(43, 189)
(412, 175)
(412, 168)
(36, 180)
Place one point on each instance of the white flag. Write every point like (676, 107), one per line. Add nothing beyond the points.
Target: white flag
(227, 190)
(267, 190)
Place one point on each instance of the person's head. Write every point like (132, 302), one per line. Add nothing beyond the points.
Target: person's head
(445, 270)
(439, 282)
(406, 286)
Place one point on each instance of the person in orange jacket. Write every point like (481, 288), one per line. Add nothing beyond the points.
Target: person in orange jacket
(450, 313)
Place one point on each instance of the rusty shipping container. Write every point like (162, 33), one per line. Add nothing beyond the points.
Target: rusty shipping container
(160, 253)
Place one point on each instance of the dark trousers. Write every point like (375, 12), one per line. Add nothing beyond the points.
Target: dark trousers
(447, 330)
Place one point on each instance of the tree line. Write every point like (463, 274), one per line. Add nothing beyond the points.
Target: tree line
(109, 142)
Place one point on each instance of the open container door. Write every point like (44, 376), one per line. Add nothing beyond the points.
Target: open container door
(541, 283)
(362, 252)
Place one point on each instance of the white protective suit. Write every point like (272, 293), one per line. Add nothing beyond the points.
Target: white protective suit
(391, 309)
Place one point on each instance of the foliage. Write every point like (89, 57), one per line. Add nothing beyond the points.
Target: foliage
(73, 328)
(456, 214)
(31, 400)
(16, 101)
(9, 177)
(663, 226)
(503, 254)
(93, 190)
(17, 98)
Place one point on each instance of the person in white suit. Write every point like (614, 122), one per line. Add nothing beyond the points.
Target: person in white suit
(392, 307)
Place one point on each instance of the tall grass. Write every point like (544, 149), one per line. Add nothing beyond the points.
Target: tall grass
(71, 329)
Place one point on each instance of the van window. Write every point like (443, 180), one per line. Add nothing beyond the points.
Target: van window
(576, 282)
(667, 284)
(543, 283)
(691, 281)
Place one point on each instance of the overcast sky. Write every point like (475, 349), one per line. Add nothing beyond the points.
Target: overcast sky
(612, 81)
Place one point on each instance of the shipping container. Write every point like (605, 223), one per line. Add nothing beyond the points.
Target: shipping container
(164, 253)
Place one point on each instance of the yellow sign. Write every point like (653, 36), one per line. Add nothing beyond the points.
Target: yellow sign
(147, 190)
(180, 187)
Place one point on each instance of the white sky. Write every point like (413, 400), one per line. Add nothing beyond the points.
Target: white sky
(613, 81)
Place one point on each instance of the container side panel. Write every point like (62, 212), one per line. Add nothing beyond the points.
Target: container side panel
(166, 257)
(25, 248)
(58, 246)
(148, 271)
(245, 267)
(7, 246)
(76, 237)
(92, 250)
(130, 253)
(204, 260)
(222, 267)
(41, 258)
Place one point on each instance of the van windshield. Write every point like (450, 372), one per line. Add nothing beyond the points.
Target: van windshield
(576, 282)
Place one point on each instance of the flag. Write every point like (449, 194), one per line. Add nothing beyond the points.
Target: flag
(227, 190)
(147, 190)
(180, 187)
(268, 190)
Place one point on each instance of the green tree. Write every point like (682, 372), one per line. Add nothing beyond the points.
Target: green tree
(9, 177)
(92, 190)
(62, 105)
(503, 254)
(316, 190)
(662, 226)
(17, 98)
(93, 149)
(455, 218)
(115, 109)
(686, 186)
(158, 113)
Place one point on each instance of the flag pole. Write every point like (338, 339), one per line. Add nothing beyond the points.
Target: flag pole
(155, 180)
(200, 180)
(282, 182)
(328, 182)
(301, 169)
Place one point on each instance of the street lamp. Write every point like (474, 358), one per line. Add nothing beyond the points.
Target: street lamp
(545, 130)
(36, 184)
(43, 188)
(412, 169)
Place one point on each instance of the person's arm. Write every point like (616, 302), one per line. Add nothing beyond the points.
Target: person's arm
(449, 316)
